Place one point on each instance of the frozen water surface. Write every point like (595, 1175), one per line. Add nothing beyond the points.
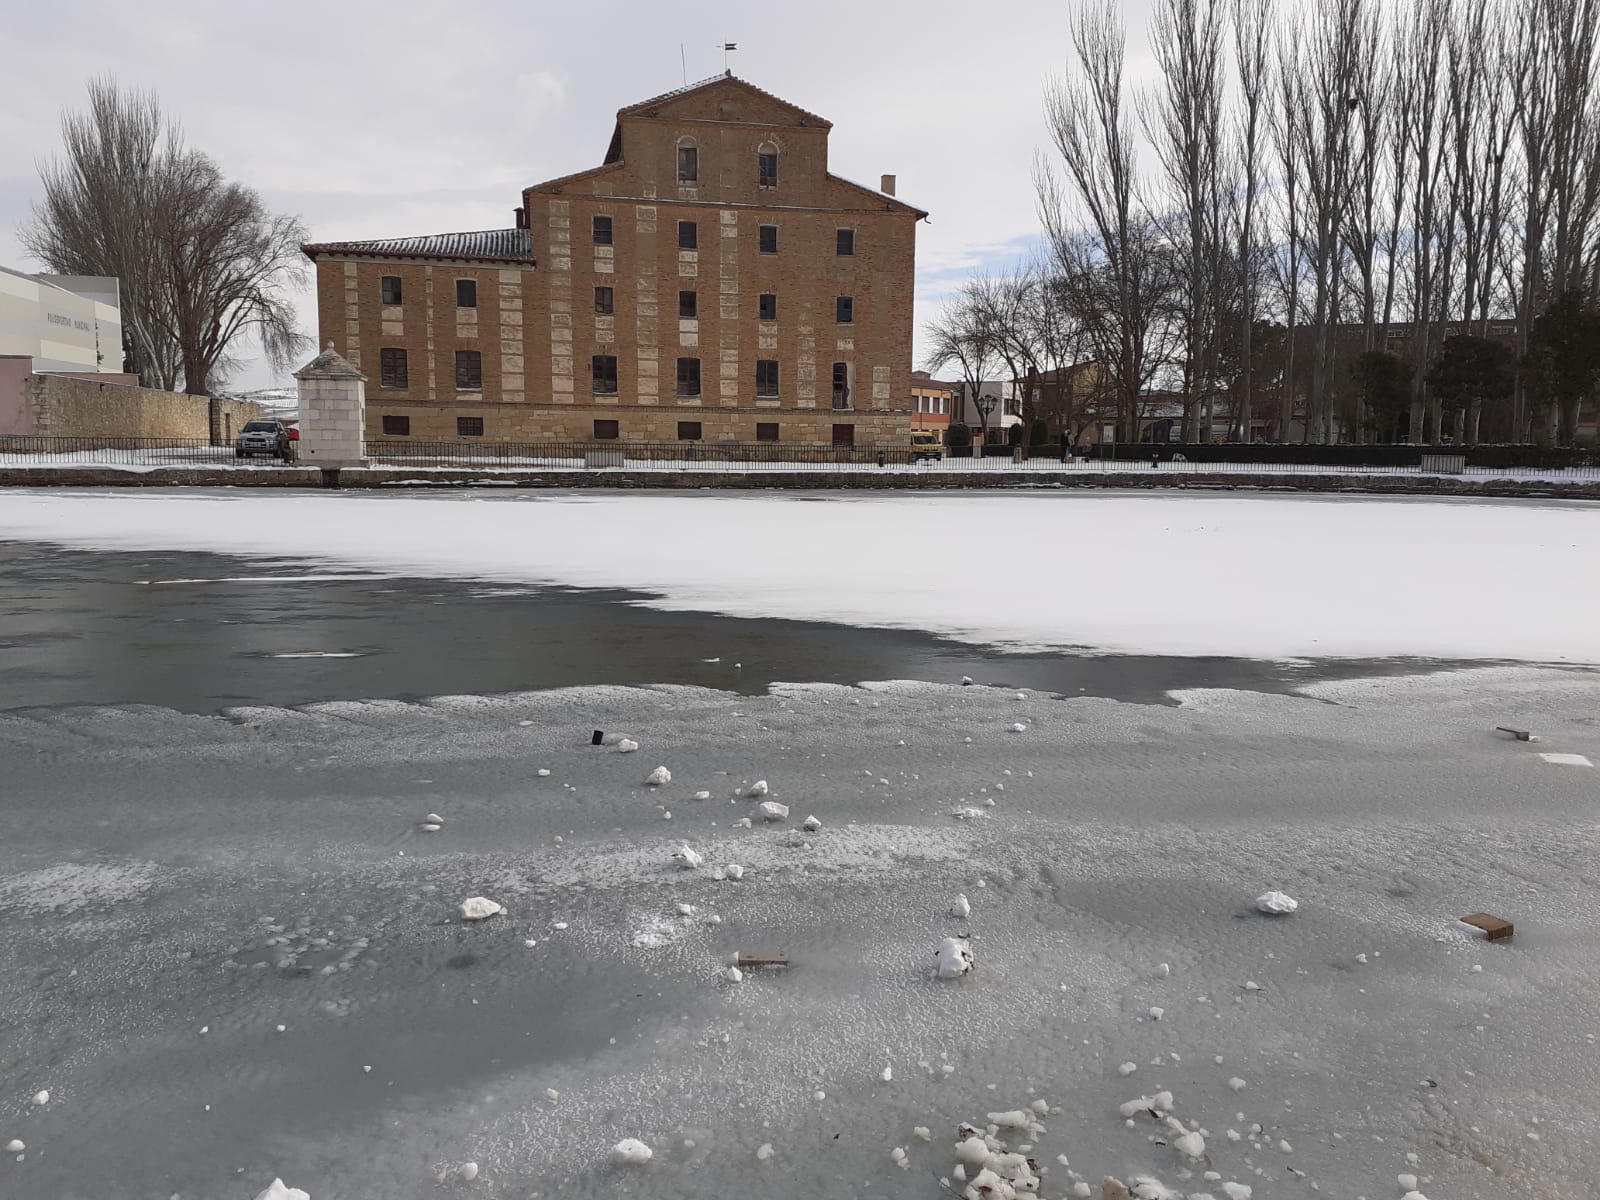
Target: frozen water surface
(167, 873)
(232, 954)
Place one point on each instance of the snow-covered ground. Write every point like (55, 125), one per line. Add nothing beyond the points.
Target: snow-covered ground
(1190, 574)
(234, 948)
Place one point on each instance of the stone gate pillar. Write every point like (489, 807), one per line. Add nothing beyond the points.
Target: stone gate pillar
(333, 412)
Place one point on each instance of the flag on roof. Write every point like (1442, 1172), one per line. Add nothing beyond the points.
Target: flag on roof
(729, 46)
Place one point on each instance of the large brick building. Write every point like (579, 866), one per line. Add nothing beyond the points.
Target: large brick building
(710, 280)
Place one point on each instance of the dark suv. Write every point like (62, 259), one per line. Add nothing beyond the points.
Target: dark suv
(262, 437)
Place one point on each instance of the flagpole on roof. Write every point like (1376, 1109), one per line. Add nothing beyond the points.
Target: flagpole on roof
(727, 46)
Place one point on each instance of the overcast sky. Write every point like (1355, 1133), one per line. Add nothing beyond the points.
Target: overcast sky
(389, 119)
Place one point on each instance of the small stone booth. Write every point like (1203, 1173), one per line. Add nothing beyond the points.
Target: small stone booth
(333, 412)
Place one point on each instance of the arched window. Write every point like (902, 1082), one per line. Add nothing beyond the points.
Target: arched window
(688, 162)
(767, 163)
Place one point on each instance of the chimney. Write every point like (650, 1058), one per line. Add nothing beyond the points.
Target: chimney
(888, 185)
(521, 215)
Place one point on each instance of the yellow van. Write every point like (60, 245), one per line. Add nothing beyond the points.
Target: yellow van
(925, 444)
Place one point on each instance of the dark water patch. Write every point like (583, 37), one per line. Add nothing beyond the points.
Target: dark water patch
(87, 627)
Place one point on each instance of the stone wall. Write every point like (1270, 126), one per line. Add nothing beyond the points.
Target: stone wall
(84, 407)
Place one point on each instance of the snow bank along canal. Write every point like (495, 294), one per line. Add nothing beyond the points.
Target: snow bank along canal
(1192, 574)
(236, 950)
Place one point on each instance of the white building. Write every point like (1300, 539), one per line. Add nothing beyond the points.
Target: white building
(62, 322)
(1001, 400)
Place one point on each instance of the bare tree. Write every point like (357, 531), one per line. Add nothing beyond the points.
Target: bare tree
(1252, 22)
(964, 337)
(1183, 119)
(201, 263)
(1288, 260)
(1106, 249)
(98, 213)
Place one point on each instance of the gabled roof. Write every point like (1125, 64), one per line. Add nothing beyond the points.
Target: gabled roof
(647, 108)
(642, 108)
(484, 245)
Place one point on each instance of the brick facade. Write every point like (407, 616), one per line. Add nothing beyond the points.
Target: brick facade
(722, 302)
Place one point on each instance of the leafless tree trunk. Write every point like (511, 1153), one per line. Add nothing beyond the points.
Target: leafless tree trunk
(1098, 230)
(1289, 260)
(1183, 119)
(1252, 22)
(1331, 101)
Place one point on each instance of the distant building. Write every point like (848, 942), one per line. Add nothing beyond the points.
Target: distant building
(932, 402)
(61, 322)
(711, 280)
(68, 325)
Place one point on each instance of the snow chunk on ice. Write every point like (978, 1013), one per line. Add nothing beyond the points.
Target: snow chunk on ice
(733, 975)
(811, 824)
(1567, 760)
(1019, 727)
(1157, 1013)
(955, 958)
(479, 908)
(468, 1171)
(1127, 1069)
(658, 777)
(1015, 1119)
(278, 1190)
(543, 772)
(41, 1097)
(771, 810)
(687, 858)
(1237, 1191)
(631, 1152)
(1408, 1183)
(1276, 903)
(16, 1146)
(961, 907)
(764, 1151)
(758, 788)
(974, 1151)
(702, 795)
(627, 746)
(733, 871)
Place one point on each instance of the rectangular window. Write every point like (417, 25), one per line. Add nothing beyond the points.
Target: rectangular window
(602, 231)
(466, 293)
(844, 435)
(769, 170)
(391, 289)
(844, 310)
(688, 306)
(606, 431)
(688, 431)
(469, 371)
(766, 377)
(766, 431)
(605, 374)
(688, 235)
(392, 368)
(605, 301)
(841, 385)
(844, 242)
(688, 164)
(769, 239)
(769, 306)
(469, 426)
(688, 377)
(396, 426)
